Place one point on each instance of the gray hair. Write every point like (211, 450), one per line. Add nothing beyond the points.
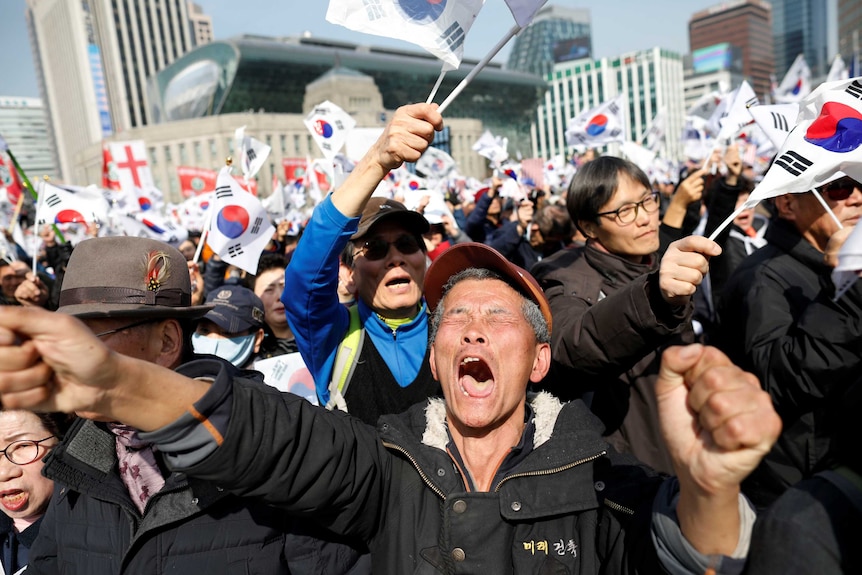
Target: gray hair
(529, 308)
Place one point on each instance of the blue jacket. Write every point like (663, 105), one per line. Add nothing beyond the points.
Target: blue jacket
(319, 322)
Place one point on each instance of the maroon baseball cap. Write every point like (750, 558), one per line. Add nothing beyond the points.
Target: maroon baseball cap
(475, 255)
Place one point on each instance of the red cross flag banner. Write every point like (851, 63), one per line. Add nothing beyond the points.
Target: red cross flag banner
(825, 144)
(70, 204)
(329, 126)
(239, 227)
(598, 126)
(130, 160)
(438, 26)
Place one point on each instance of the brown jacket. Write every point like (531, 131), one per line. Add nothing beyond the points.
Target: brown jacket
(610, 326)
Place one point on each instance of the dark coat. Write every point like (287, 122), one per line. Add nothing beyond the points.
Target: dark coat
(190, 526)
(610, 325)
(777, 320)
(571, 505)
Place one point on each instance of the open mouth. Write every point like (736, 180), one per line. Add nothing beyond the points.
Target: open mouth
(475, 377)
(14, 500)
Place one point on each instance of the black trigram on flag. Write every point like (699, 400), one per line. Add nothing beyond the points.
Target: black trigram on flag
(224, 192)
(614, 133)
(373, 9)
(339, 124)
(256, 227)
(855, 89)
(613, 108)
(235, 250)
(580, 138)
(793, 163)
(326, 145)
(451, 38)
(779, 122)
(53, 200)
(250, 154)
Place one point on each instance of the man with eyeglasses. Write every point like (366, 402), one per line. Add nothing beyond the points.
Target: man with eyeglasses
(617, 302)
(777, 320)
(371, 359)
(117, 507)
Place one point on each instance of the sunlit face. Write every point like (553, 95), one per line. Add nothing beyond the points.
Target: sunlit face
(24, 492)
(268, 287)
(634, 240)
(815, 224)
(484, 355)
(11, 276)
(391, 286)
(745, 218)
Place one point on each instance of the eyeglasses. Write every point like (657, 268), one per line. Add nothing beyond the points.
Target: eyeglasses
(627, 213)
(125, 327)
(377, 248)
(840, 189)
(23, 452)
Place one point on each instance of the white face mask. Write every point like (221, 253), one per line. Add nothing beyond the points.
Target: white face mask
(236, 350)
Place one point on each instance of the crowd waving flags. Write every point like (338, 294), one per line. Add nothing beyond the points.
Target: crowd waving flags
(825, 144)
(598, 126)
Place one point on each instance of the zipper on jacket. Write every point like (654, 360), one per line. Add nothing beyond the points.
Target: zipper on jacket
(415, 463)
(618, 507)
(550, 471)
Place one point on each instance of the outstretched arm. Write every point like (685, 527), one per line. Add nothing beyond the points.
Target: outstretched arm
(52, 362)
(718, 424)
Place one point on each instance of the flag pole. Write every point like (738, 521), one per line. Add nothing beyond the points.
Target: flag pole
(826, 207)
(436, 85)
(476, 69)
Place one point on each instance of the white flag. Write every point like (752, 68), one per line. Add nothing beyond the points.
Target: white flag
(71, 204)
(776, 121)
(796, 83)
(435, 163)
(826, 142)
(600, 125)
(737, 114)
(154, 226)
(439, 27)
(329, 126)
(655, 135)
(492, 147)
(638, 155)
(252, 153)
(837, 71)
(524, 10)
(239, 228)
(130, 161)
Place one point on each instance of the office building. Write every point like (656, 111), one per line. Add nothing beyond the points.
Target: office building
(556, 34)
(24, 126)
(201, 24)
(735, 37)
(803, 27)
(651, 80)
(850, 33)
(94, 57)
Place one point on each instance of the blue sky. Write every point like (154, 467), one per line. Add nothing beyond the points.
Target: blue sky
(618, 26)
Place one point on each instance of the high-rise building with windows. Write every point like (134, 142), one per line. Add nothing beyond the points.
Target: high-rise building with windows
(24, 126)
(742, 27)
(94, 58)
(202, 25)
(803, 27)
(556, 34)
(850, 32)
(650, 79)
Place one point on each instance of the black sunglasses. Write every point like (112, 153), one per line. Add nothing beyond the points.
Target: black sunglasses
(377, 248)
(840, 189)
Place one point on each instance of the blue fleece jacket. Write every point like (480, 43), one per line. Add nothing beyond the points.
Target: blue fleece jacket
(319, 322)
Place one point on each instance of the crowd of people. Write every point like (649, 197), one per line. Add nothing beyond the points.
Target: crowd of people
(568, 381)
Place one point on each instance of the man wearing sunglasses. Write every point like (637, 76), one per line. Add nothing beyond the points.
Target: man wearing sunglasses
(372, 359)
(778, 320)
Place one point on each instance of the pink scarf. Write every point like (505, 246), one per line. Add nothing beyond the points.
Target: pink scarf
(138, 468)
